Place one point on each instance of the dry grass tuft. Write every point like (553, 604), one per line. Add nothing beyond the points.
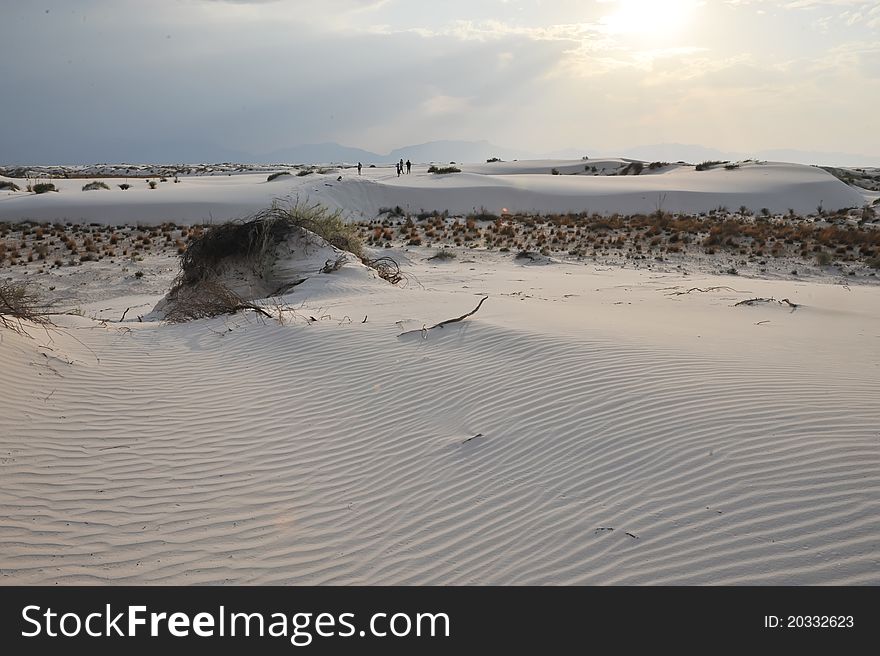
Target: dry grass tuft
(19, 304)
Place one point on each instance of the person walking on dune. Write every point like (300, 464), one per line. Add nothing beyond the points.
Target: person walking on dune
(398, 169)
(408, 166)
(359, 168)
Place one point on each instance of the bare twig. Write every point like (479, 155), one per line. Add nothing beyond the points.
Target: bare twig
(708, 289)
(755, 301)
(424, 330)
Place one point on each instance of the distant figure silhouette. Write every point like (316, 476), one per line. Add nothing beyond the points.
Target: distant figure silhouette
(401, 165)
(408, 166)
(359, 168)
(398, 169)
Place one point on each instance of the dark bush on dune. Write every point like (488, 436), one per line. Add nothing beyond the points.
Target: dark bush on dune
(43, 187)
(275, 176)
(633, 168)
(253, 241)
(200, 289)
(5, 185)
(93, 186)
(443, 169)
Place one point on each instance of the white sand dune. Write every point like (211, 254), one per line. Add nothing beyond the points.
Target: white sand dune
(585, 426)
(531, 188)
(496, 187)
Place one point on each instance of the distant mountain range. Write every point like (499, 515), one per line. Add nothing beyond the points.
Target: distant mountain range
(433, 151)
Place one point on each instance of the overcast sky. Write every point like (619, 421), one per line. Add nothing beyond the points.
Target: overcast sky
(83, 80)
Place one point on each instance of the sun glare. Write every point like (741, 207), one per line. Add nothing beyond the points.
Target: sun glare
(661, 17)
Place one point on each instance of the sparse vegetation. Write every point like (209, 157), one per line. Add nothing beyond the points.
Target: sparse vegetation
(443, 169)
(43, 187)
(94, 186)
(633, 168)
(199, 291)
(6, 185)
(494, 159)
(709, 164)
(20, 303)
(275, 176)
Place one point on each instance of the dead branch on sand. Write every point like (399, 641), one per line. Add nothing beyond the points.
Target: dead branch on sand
(755, 301)
(333, 265)
(708, 289)
(387, 268)
(424, 331)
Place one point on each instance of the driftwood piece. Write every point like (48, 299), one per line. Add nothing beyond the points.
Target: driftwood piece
(424, 331)
(708, 289)
(755, 301)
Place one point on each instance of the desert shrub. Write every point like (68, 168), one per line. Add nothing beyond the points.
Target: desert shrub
(731, 167)
(443, 169)
(708, 164)
(94, 186)
(494, 159)
(19, 303)
(5, 185)
(152, 184)
(275, 176)
(253, 240)
(482, 215)
(397, 210)
(304, 172)
(43, 187)
(554, 171)
(203, 299)
(653, 166)
(124, 186)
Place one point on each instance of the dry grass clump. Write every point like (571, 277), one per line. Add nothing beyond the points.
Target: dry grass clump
(251, 244)
(253, 241)
(19, 303)
(205, 298)
(6, 185)
(94, 186)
